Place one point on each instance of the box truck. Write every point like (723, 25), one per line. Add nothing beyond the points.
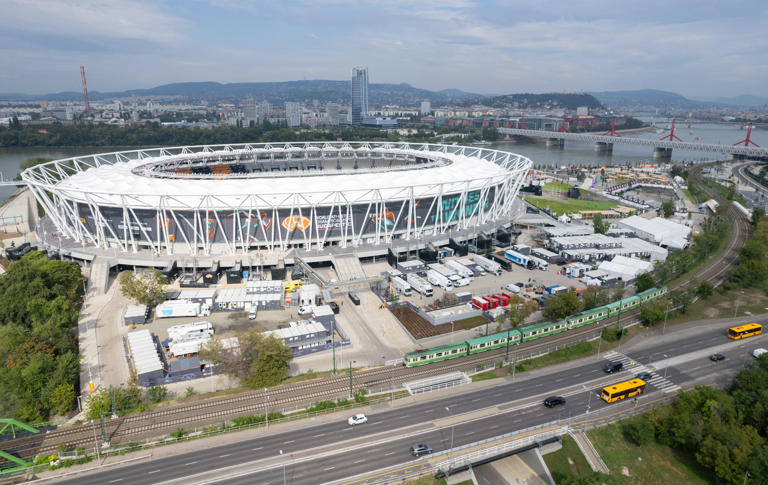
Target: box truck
(488, 265)
(419, 284)
(439, 279)
(401, 286)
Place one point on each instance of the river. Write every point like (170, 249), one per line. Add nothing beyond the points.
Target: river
(579, 154)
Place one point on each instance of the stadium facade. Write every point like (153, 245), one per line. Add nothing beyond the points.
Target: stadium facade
(231, 199)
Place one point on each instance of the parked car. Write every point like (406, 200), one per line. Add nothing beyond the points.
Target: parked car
(421, 449)
(758, 352)
(334, 307)
(611, 367)
(716, 357)
(357, 419)
(553, 401)
(645, 376)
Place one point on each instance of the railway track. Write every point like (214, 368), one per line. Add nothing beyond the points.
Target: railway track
(292, 396)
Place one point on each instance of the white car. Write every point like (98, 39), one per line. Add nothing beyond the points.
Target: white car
(357, 419)
(758, 352)
(305, 310)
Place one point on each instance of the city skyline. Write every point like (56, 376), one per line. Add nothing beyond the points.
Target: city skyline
(481, 47)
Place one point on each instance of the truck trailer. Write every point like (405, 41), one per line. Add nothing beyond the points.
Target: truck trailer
(460, 269)
(401, 286)
(488, 265)
(177, 308)
(439, 279)
(419, 284)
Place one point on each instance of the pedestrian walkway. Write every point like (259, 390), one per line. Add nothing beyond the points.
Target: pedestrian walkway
(659, 380)
(589, 451)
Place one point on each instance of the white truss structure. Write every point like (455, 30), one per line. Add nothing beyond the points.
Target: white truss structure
(175, 220)
(749, 151)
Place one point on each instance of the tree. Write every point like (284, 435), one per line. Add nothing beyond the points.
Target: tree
(593, 297)
(668, 208)
(520, 309)
(653, 313)
(144, 289)
(645, 281)
(705, 289)
(62, 398)
(597, 222)
(562, 305)
(271, 364)
(757, 214)
(260, 360)
(155, 394)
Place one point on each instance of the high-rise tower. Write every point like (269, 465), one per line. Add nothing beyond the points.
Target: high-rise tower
(359, 94)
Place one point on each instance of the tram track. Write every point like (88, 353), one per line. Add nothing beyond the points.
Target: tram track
(294, 396)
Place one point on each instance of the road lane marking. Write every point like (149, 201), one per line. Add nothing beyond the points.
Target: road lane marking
(224, 456)
(376, 422)
(319, 435)
(359, 461)
(190, 463)
(390, 453)
(329, 468)
(257, 449)
(153, 471)
(115, 480)
(289, 442)
(475, 400)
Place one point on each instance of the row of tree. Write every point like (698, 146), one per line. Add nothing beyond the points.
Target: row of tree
(39, 362)
(752, 269)
(725, 431)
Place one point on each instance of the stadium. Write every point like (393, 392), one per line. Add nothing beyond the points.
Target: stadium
(230, 199)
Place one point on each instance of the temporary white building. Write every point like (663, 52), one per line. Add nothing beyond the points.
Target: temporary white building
(658, 230)
(625, 268)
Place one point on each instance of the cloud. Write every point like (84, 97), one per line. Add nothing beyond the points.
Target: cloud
(94, 19)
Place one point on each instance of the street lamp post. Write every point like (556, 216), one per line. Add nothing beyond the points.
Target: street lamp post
(589, 398)
(266, 408)
(333, 343)
(350, 376)
(666, 312)
(666, 367)
(281, 454)
(506, 358)
(452, 424)
(96, 442)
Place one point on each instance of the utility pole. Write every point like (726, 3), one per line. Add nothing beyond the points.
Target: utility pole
(506, 358)
(266, 408)
(333, 343)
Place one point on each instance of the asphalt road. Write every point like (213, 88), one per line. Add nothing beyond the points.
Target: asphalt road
(385, 440)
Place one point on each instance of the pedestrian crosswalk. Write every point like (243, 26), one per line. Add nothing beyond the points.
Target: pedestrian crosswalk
(658, 380)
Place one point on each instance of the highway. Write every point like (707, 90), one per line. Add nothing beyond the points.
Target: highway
(333, 450)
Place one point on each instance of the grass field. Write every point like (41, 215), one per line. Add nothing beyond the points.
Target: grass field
(557, 186)
(649, 464)
(690, 196)
(567, 461)
(570, 206)
(724, 305)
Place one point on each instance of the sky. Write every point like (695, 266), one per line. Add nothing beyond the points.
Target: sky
(702, 48)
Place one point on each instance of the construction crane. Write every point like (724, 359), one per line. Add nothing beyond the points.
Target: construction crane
(85, 92)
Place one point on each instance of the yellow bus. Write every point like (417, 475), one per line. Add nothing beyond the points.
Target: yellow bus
(623, 390)
(744, 331)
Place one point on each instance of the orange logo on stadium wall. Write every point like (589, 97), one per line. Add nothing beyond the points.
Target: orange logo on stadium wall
(296, 222)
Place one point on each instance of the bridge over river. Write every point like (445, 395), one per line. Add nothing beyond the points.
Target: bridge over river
(661, 148)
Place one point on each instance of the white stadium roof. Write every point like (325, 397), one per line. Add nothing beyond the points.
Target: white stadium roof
(112, 182)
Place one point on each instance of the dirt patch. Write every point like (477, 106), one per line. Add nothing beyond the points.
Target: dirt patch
(417, 325)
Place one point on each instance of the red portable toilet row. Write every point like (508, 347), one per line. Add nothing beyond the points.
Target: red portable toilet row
(480, 303)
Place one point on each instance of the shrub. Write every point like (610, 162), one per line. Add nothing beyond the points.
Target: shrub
(637, 431)
(179, 433)
(155, 394)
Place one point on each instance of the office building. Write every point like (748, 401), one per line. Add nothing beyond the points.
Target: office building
(359, 109)
(426, 107)
(332, 113)
(293, 114)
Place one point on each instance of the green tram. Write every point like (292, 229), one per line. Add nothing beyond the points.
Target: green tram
(530, 332)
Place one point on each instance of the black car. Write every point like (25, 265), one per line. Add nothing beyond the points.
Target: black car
(553, 401)
(612, 367)
(645, 376)
(334, 307)
(421, 449)
(716, 357)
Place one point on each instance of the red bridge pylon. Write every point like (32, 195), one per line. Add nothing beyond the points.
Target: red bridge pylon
(671, 136)
(613, 129)
(746, 141)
